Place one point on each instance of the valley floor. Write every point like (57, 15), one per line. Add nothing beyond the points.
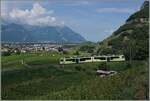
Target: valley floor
(43, 78)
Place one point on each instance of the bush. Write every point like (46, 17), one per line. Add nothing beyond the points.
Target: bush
(87, 48)
(103, 66)
(76, 53)
(5, 53)
(128, 65)
(88, 72)
(18, 52)
(60, 49)
(65, 52)
(78, 68)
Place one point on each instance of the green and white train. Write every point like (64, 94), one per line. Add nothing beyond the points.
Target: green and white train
(103, 58)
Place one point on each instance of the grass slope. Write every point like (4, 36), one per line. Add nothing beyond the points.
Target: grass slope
(46, 79)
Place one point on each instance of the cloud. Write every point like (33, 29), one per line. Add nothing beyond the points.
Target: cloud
(84, 2)
(115, 10)
(76, 3)
(36, 16)
(4, 9)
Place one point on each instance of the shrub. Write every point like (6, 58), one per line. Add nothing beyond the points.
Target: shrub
(65, 52)
(5, 53)
(103, 66)
(87, 48)
(78, 68)
(76, 53)
(128, 65)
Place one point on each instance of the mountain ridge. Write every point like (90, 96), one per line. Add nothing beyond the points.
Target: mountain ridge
(131, 36)
(13, 32)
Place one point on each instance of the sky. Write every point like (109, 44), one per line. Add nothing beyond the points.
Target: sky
(95, 20)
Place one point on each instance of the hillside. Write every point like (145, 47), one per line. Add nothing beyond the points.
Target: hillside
(27, 33)
(44, 79)
(132, 37)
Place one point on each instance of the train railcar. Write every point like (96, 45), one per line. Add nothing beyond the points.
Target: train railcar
(116, 58)
(99, 58)
(86, 59)
(67, 60)
(75, 60)
(103, 58)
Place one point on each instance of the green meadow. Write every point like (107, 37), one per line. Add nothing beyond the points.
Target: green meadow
(42, 77)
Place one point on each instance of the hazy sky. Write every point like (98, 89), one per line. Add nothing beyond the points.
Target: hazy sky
(93, 19)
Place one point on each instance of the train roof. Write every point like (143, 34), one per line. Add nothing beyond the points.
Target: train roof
(90, 56)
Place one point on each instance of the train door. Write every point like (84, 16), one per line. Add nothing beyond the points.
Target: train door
(108, 59)
(92, 58)
(77, 60)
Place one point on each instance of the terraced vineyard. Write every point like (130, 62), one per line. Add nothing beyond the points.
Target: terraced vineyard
(41, 77)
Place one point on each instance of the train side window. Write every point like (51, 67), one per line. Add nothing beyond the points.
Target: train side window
(114, 58)
(83, 59)
(101, 58)
(73, 60)
(67, 59)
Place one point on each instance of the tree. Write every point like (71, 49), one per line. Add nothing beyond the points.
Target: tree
(87, 48)
(65, 52)
(5, 53)
(17, 51)
(76, 53)
(103, 66)
(103, 50)
(60, 49)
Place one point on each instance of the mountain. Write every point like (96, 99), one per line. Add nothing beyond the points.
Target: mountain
(132, 38)
(11, 32)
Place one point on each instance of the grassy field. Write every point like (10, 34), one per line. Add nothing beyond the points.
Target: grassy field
(43, 78)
